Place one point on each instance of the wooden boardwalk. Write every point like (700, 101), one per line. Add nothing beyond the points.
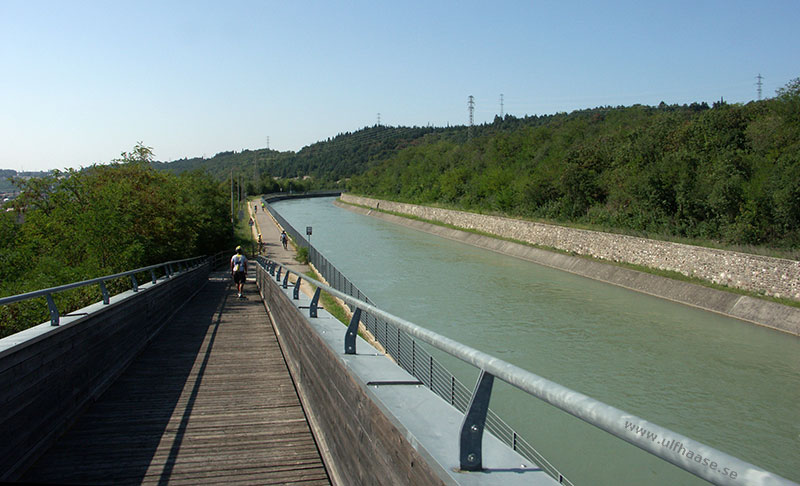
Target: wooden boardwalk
(209, 401)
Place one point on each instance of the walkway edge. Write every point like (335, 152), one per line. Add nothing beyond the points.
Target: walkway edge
(323, 446)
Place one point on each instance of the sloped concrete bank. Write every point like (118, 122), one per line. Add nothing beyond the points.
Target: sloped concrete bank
(750, 309)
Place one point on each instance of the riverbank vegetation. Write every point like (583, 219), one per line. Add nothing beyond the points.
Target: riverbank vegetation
(722, 175)
(81, 224)
(725, 173)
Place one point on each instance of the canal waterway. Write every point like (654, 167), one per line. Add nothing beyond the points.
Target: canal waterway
(730, 384)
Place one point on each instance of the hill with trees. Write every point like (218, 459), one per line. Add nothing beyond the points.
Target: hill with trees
(7, 175)
(321, 165)
(99, 221)
(727, 172)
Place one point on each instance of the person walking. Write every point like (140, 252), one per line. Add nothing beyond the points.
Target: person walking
(239, 270)
(284, 240)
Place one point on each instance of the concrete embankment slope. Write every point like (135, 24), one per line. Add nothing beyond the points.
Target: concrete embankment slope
(750, 309)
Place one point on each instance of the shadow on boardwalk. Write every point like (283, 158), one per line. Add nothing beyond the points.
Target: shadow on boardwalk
(210, 400)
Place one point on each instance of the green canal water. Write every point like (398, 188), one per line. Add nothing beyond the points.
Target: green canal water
(730, 384)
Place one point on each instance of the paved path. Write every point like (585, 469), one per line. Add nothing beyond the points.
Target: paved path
(209, 401)
(270, 235)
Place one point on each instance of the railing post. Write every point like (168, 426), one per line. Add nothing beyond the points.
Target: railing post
(135, 283)
(153, 274)
(104, 291)
(471, 443)
(286, 280)
(312, 309)
(296, 291)
(413, 357)
(278, 277)
(352, 331)
(51, 305)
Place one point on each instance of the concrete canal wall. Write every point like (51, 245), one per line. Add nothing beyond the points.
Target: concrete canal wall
(772, 276)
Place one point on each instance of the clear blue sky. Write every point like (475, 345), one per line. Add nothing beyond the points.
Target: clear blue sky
(83, 81)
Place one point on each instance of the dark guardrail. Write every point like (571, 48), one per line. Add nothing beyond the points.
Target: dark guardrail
(166, 269)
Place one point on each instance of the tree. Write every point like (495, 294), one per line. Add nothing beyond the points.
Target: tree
(105, 219)
(140, 153)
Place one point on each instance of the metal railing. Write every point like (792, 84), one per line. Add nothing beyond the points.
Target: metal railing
(167, 269)
(718, 468)
(413, 357)
(399, 338)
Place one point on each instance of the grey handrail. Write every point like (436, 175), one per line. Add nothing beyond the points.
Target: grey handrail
(48, 293)
(714, 466)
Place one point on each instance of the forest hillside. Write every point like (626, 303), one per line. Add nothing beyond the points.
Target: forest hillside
(726, 172)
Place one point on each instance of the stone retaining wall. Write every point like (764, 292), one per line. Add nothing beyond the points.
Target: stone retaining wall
(770, 276)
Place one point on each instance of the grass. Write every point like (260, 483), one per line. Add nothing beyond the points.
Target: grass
(334, 308)
(243, 234)
(329, 303)
(302, 254)
(653, 271)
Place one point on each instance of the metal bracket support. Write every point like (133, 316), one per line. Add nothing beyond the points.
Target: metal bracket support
(286, 280)
(312, 310)
(153, 274)
(352, 332)
(51, 305)
(471, 444)
(278, 277)
(135, 283)
(104, 290)
(296, 291)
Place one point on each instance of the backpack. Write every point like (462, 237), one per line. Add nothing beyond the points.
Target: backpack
(238, 263)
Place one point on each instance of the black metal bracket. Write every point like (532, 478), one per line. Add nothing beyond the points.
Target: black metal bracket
(352, 332)
(296, 291)
(104, 291)
(312, 310)
(51, 305)
(471, 443)
(286, 280)
(278, 277)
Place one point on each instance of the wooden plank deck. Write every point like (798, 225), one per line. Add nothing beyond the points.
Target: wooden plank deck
(209, 401)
